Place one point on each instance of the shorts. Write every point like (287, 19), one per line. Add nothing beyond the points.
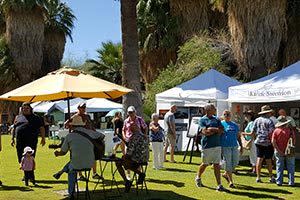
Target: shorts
(231, 157)
(266, 152)
(211, 155)
(171, 140)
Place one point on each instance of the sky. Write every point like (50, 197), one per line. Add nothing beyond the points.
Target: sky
(97, 21)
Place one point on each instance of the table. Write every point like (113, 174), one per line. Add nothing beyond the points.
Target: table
(113, 170)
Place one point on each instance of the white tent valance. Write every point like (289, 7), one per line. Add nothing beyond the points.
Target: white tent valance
(281, 86)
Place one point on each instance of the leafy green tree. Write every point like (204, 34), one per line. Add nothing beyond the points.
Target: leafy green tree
(108, 66)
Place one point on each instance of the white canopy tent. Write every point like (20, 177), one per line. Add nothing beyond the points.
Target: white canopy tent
(96, 105)
(281, 86)
(48, 106)
(209, 87)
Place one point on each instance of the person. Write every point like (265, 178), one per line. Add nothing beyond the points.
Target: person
(27, 127)
(81, 151)
(211, 128)
(137, 152)
(262, 130)
(80, 116)
(156, 139)
(133, 117)
(126, 131)
(118, 125)
(230, 141)
(249, 118)
(282, 113)
(28, 165)
(280, 139)
(0, 151)
(170, 130)
(273, 118)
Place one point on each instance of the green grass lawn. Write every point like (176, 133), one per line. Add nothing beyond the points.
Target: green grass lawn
(176, 181)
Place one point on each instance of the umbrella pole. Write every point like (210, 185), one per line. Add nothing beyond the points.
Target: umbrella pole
(69, 112)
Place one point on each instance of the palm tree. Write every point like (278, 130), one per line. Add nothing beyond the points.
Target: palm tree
(131, 69)
(58, 26)
(25, 36)
(109, 63)
(158, 37)
(258, 30)
(193, 16)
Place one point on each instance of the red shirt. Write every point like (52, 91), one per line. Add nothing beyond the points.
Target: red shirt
(281, 136)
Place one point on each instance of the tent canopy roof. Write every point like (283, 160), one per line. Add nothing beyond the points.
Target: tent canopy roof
(280, 86)
(209, 86)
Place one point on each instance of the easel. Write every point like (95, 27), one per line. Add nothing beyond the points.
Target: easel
(192, 134)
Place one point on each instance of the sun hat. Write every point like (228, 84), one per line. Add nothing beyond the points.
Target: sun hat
(281, 121)
(82, 105)
(76, 120)
(28, 149)
(131, 109)
(265, 109)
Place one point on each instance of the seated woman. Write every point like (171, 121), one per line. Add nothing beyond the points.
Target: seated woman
(137, 152)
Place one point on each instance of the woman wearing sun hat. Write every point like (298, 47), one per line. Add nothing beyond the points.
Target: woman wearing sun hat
(280, 139)
(262, 129)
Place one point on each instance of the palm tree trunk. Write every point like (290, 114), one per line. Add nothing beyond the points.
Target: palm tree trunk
(258, 29)
(131, 68)
(193, 16)
(25, 38)
(53, 52)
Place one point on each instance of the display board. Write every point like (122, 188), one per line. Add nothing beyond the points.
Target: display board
(194, 127)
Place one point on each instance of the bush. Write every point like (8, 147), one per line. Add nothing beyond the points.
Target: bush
(195, 56)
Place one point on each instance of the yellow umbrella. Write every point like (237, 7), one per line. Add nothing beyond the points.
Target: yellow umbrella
(65, 83)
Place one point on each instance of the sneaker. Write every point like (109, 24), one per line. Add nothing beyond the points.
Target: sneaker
(220, 188)
(96, 176)
(141, 178)
(127, 186)
(57, 175)
(198, 182)
(231, 185)
(81, 178)
(258, 180)
(272, 180)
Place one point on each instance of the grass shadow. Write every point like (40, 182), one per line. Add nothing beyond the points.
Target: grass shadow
(142, 195)
(261, 189)
(51, 182)
(177, 170)
(253, 195)
(19, 188)
(166, 182)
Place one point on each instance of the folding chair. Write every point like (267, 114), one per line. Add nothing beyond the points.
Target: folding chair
(135, 178)
(87, 173)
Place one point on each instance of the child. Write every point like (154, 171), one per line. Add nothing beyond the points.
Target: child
(156, 138)
(28, 165)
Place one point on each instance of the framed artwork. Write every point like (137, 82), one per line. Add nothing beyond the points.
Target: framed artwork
(295, 113)
(162, 113)
(181, 126)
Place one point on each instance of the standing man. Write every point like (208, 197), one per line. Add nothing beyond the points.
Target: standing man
(170, 129)
(211, 128)
(263, 128)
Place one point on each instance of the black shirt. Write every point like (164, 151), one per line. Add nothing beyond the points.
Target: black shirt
(118, 124)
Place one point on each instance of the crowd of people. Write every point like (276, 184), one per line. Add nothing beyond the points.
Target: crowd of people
(222, 141)
(265, 138)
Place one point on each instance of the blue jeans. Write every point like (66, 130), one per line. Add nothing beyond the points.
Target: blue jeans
(72, 176)
(231, 157)
(290, 165)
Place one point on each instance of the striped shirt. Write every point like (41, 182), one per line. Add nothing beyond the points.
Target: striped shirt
(263, 128)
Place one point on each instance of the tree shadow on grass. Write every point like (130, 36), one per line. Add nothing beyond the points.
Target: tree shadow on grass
(41, 186)
(142, 195)
(177, 170)
(166, 182)
(261, 189)
(19, 188)
(51, 182)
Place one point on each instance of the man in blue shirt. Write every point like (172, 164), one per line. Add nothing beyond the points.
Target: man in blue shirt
(211, 129)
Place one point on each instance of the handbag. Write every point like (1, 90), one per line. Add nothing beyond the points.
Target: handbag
(246, 143)
(290, 148)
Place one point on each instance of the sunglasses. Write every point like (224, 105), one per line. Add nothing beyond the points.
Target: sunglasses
(227, 115)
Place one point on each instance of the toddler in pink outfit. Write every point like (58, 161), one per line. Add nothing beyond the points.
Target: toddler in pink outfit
(28, 165)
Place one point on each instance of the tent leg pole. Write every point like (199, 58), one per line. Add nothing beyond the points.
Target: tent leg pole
(187, 148)
(191, 157)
